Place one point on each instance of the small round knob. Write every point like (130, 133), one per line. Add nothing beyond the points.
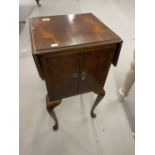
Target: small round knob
(83, 75)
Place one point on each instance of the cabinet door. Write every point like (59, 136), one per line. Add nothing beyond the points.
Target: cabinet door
(61, 74)
(94, 68)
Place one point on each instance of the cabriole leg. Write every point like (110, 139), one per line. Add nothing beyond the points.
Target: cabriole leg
(50, 105)
(101, 94)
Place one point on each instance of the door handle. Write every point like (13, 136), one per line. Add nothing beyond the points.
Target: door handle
(76, 75)
(83, 75)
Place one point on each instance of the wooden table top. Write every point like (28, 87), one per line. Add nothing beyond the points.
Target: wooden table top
(55, 32)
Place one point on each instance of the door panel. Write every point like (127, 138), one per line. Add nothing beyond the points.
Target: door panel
(94, 69)
(61, 75)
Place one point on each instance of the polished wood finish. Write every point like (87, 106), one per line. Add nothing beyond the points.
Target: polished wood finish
(63, 71)
(95, 64)
(73, 54)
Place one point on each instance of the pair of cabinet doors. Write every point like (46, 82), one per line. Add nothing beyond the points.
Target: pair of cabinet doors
(71, 73)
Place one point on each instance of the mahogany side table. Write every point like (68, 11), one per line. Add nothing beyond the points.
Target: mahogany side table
(73, 54)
